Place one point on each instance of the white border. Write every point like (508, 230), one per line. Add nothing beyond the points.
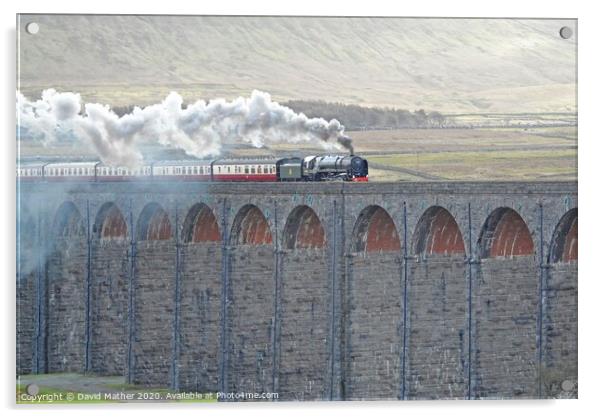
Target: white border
(590, 155)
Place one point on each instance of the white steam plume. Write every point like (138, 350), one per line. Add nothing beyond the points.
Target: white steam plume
(199, 129)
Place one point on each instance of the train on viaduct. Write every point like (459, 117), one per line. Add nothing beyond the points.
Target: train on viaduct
(427, 290)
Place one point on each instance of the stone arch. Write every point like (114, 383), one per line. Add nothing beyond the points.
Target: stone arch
(110, 223)
(154, 224)
(564, 241)
(303, 229)
(375, 231)
(200, 225)
(252, 279)
(437, 232)
(505, 234)
(304, 300)
(68, 222)
(250, 227)
(109, 292)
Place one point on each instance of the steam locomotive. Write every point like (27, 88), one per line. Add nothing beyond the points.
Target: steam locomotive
(310, 168)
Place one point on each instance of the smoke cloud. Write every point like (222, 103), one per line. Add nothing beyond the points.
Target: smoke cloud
(200, 129)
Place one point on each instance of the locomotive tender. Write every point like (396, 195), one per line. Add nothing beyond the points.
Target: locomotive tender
(311, 168)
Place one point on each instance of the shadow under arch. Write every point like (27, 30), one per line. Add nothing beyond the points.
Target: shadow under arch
(153, 224)
(437, 232)
(250, 227)
(375, 231)
(68, 222)
(200, 225)
(303, 230)
(505, 234)
(563, 248)
(110, 223)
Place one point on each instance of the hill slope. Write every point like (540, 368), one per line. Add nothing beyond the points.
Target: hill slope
(461, 65)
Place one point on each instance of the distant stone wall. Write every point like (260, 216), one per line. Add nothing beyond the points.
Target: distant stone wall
(374, 336)
(200, 326)
(304, 331)
(251, 319)
(66, 306)
(154, 313)
(438, 341)
(26, 326)
(560, 329)
(506, 306)
(109, 307)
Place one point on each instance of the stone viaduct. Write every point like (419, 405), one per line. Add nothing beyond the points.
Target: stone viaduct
(313, 290)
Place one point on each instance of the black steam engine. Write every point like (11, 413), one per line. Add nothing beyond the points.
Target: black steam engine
(323, 168)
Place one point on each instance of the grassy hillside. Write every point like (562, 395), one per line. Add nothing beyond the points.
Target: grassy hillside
(506, 66)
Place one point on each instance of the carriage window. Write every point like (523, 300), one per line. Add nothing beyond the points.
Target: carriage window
(228, 169)
(246, 169)
(253, 170)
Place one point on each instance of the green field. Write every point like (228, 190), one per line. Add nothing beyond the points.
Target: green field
(539, 153)
(71, 388)
(493, 165)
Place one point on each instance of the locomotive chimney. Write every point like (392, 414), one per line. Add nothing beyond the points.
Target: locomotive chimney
(346, 142)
